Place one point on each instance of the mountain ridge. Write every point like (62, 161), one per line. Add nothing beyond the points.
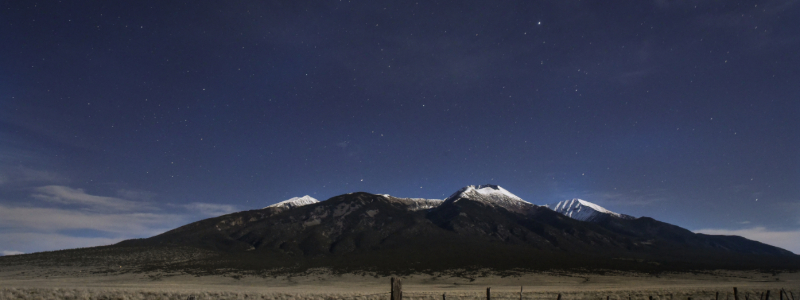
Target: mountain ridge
(583, 210)
(477, 227)
(294, 202)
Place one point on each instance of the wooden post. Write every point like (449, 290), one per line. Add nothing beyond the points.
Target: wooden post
(488, 293)
(717, 298)
(520, 292)
(650, 297)
(443, 296)
(767, 296)
(781, 294)
(736, 294)
(397, 289)
(559, 296)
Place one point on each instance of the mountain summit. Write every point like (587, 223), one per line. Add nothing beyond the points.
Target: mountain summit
(490, 194)
(582, 210)
(295, 202)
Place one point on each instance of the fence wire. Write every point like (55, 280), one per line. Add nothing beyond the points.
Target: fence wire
(743, 294)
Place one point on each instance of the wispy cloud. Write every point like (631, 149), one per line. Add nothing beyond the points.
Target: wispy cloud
(33, 229)
(39, 219)
(31, 242)
(20, 175)
(66, 217)
(135, 194)
(70, 196)
(11, 252)
(210, 209)
(786, 239)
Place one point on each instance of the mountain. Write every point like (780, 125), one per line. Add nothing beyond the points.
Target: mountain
(491, 195)
(295, 202)
(584, 210)
(477, 227)
(415, 204)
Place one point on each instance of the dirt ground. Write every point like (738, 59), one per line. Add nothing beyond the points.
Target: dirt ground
(322, 285)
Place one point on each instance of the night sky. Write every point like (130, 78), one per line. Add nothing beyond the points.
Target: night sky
(124, 119)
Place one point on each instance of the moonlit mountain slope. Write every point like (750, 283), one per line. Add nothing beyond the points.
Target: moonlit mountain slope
(295, 202)
(582, 210)
(490, 194)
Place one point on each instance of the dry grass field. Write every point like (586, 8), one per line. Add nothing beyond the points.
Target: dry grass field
(72, 283)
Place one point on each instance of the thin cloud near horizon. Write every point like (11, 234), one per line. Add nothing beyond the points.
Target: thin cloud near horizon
(62, 217)
(786, 239)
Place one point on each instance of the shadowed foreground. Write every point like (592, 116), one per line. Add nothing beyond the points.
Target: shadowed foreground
(322, 285)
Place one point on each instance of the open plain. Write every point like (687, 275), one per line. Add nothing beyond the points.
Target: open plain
(19, 282)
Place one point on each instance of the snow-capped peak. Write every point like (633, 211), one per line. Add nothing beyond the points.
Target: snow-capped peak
(583, 210)
(295, 202)
(489, 193)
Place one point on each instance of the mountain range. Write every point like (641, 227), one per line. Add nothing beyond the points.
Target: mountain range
(477, 227)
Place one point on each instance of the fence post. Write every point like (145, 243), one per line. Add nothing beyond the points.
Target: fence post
(520, 292)
(767, 297)
(736, 294)
(717, 297)
(559, 296)
(397, 289)
(488, 293)
(443, 296)
(781, 294)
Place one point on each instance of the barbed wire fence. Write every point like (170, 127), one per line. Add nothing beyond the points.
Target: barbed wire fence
(750, 294)
(397, 293)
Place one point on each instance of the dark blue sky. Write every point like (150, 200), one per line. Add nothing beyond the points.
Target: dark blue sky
(153, 114)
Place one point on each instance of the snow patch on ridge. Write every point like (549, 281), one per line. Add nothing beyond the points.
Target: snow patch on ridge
(490, 194)
(295, 202)
(416, 204)
(583, 210)
(423, 204)
(486, 191)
